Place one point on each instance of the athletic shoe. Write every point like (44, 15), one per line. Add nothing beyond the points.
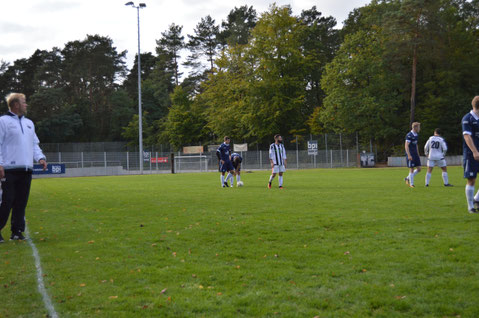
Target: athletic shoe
(476, 204)
(1, 238)
(17, 237)
(406, 180)
(411, 186)
(225, 185)
(281, 187)
(473, 211)
(448, 185)
(269, 185)
(427, 185)
(231, 185)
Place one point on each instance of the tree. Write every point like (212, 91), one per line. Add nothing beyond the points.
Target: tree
(226, 94)
(236, 30)
(185, 122)
(172, 42)
(278, 79)
(91, 70)
(203, 43)
(320, 42)
(361, 92)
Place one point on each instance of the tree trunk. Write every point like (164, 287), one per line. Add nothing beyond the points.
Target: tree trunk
(413, 85)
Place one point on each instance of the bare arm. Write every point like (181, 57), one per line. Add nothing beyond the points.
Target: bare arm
(470, 144)
(406, 146)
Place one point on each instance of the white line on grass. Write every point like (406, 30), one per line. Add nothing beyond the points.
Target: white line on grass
(41, 286)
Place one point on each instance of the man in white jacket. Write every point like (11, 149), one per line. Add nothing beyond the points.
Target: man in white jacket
(435, 150)
(18, 148)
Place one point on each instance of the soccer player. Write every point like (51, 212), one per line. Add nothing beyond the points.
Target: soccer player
(412, 153)
(225, 160)
(435, 150)
(277, 158)
(237, 160)
(470, 132)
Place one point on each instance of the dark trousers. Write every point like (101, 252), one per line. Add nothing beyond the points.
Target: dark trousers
(16, 189)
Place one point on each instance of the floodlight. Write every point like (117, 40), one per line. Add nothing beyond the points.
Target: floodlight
(129, 3)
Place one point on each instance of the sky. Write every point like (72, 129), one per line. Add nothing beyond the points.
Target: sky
(27, 25)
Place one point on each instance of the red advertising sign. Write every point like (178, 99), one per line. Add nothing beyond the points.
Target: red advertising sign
(159, 160)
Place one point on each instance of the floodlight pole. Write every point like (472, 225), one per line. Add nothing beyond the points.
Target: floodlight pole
(140, 115)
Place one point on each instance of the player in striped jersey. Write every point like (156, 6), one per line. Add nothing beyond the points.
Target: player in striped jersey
(277, 158)
(435, 150)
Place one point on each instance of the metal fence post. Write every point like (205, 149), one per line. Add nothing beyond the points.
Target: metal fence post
(326, 146)
(331, 158)
(127, 161)
(297, 154)
(156, 161)
(59, 157)
(341, 148)
(347, 158)
(179, 163)
(82, 159)
(104, 159)
(150, 161)
(260, 160)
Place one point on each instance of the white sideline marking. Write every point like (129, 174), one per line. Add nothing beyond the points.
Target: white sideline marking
(41, 286)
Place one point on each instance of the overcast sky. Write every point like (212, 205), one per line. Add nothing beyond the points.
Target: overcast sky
(27, 25)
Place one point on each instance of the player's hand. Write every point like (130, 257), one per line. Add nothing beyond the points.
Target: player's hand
(222, 162)
(409, 158)
(476, 156)
(2, 172)
(44, 164)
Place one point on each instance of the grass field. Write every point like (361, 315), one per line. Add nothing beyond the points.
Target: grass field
(333, 243)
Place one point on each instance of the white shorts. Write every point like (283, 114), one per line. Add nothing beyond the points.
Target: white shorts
(440, 163)
(277, 169)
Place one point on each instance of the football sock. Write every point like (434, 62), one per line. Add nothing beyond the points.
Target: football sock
(271, 179)
(476, 197)
(238, 178)
(415, 172)
(280, 178)
(222, 180)
(428, 177)
(228, 177)
(470, 196)
(411, 178)
(445, 178)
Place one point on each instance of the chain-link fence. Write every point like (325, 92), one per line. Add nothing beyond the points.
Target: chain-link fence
(110, 158)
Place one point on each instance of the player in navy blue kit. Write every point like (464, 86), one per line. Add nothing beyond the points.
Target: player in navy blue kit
(470, 132)
(412, 153)
(224, 153)
(237, 160)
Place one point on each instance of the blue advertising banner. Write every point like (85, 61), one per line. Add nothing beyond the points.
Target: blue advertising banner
(55, 168)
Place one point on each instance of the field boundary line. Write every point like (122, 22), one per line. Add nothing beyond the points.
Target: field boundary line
(41, 285)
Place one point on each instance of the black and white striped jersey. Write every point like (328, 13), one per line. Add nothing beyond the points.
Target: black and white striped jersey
(277, 153)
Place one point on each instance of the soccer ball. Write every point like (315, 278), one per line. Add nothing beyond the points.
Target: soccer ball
(239, 184)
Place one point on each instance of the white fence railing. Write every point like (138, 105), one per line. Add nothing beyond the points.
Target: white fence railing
(123, 163)
(401, 161)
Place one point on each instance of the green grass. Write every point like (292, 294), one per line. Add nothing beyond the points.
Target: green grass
(333, 243)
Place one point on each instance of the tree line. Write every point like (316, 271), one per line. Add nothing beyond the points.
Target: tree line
(254, 75)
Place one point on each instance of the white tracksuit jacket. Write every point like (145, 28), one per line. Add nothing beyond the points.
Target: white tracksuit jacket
(18, 143)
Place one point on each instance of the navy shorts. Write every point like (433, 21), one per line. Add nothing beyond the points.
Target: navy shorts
(227, 166)
(415, 162)
(471, 167)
